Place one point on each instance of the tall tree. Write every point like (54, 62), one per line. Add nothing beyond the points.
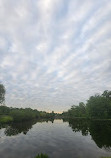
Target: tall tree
(99, 107)
(107, 94)
(2, 94)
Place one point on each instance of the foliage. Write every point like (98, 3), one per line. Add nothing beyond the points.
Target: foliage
(105, 157)
(107, 94)
(6, 119)
(26, 114)
(2, 93)
(42, 156)
(97, 107)
(4, 110)
(77, 111)
(21, 114)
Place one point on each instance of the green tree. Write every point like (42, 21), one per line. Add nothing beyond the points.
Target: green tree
(107, 94)
(2, 94)
(98, 106)
(52, 114)
(77, 111)
(42, 156)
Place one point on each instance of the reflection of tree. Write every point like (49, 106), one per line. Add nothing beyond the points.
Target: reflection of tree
(3, 125)
(99, 130)
(101, 133)
(46, 120)
(78, 125)
(52, 120)
(2, 93)
(17, 128)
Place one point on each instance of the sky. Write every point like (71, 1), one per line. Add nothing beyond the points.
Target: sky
(54, 53)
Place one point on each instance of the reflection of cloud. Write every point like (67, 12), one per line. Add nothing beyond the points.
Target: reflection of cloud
(54, 53)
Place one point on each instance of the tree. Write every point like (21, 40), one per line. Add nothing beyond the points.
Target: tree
(42, 156)
(2, 93)
(107, 94)
(52, 114)
(99, 107)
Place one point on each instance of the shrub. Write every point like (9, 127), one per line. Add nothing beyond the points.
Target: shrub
(42, 156)
(5, 119)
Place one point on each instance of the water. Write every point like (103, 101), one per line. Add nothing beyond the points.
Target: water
(58, 139)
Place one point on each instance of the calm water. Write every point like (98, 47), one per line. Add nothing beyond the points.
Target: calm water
(58, 139)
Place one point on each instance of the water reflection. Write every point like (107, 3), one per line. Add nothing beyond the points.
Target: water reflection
(17, 128)
(79, 125)
(67, 138)
(100, 131)
(21, 127)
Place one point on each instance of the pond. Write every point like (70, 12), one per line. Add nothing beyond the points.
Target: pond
(57, 138)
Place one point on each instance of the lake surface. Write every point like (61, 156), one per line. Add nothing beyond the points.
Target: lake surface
(57, 138)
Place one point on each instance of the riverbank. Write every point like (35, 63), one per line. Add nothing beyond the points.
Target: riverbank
(9, 114)
(6, 119)
(46, 156)
(85, 118)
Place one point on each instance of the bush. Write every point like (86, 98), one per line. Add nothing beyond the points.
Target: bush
(105, 157)
(42, 156)
(5, 119)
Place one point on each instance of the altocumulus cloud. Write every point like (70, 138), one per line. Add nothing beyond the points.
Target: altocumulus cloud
(54, 53)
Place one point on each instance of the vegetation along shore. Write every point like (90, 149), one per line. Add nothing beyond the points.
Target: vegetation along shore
(96, 107)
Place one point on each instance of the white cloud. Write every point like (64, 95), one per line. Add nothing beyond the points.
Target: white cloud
(54, 53)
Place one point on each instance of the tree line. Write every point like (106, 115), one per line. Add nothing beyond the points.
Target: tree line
(8, 114)
(96, 107)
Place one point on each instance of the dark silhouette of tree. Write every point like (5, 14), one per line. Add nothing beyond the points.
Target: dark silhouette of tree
(2, 94)
(107, 94)
(101, 133)
(21, 127)
(97, 107)
(79, 125)
(42, 156)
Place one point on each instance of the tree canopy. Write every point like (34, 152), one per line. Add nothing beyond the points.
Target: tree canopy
(97, 106)
(2, 93)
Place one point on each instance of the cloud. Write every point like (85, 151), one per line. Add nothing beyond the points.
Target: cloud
(54, 53)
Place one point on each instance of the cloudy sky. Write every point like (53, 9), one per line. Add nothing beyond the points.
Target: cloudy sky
(54, 53)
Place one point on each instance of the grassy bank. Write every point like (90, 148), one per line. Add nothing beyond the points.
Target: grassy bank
(5, 119)
(105, 157)
(46, 156)
(42, 156)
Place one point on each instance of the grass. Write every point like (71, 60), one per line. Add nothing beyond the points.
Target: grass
(46, 156)
(105, 157)
(5, 119)
(42, 156)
